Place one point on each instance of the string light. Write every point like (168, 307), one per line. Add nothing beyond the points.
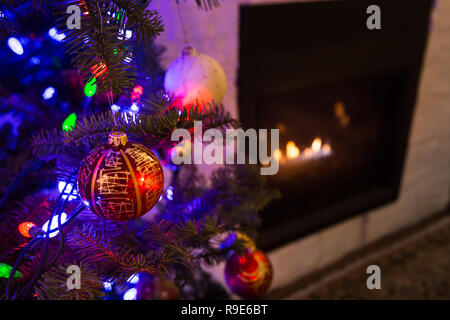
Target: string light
(137, 92)
(35, 60)
(138, 89)
(5, 271)
(134, 107)
(115, 108)
(15, 46)
(61, 185)
(54, 224)
(130, 294)
(107, 286)
(69, 123)
(24, 228)
(82, 4)
(127, 33)
(53, 33)
(98, 69)
(127, 59)
(90, 88)
(169, 193)
(133, 279)
(48, 93)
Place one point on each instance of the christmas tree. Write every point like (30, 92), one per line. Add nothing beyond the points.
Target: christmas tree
(79, 103)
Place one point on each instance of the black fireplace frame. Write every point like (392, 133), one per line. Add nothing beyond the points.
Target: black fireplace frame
(272, 60)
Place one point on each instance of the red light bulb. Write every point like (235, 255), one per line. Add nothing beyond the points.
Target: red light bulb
(98, 69)
(138, 89)
(24, 228)
(137, 92)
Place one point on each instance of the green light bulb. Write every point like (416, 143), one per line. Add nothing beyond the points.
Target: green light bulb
(69, 123)
(90, 88)
(5, 271)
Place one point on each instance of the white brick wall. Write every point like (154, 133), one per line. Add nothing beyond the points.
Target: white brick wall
(425, 185)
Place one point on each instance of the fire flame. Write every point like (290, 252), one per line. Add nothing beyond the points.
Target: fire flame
(317, 149)
(278, 155)
(292, 151)
(316, 145)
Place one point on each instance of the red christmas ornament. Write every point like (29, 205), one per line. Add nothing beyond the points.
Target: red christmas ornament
(24, 228)
(249, 275)
(120, 180)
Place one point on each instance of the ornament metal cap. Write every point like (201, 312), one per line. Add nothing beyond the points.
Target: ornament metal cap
(249, 243)
(117, 138)
(188, 50)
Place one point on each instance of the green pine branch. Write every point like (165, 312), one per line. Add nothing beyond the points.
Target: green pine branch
(115, 262)
(101, 48)
(153, 129)
(47, 144)
(132, 14)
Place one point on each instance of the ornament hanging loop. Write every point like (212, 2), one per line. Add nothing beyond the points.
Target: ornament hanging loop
(110, 97)
(188, 50)
(185, 31)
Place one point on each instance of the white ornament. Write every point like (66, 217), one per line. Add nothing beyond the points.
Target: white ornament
(195, 77)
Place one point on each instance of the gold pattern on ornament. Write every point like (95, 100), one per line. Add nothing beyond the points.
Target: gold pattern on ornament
(113, 186)
(151, 198)
(88, 164)
(148, 166)
(145, 164)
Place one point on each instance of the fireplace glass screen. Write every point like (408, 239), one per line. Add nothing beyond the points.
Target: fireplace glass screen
(337, 141)
(342, 98)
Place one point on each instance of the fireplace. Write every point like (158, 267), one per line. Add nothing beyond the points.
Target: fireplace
(342, 97)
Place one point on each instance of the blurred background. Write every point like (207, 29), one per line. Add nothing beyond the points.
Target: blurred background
(364, 152)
